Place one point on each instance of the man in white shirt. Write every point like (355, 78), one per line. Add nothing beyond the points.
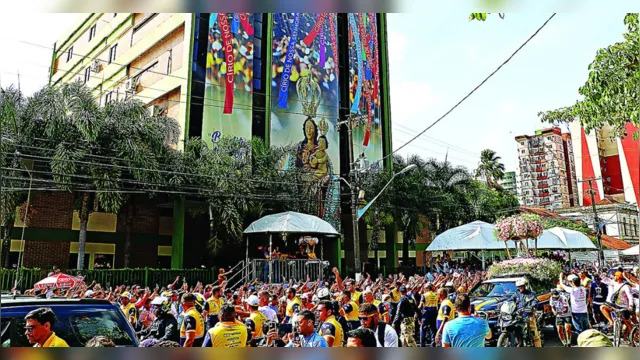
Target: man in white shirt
(264, 307)
(621, 297)
(370, 319)
(579, 309)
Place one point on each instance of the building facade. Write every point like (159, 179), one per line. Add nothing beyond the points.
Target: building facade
(546, 169)
(612, 161)
(243, 75)
(509, 182)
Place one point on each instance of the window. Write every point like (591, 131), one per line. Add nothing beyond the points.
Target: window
(87, 75)
(112, 53)
(635, 227)
(92, 32)
(108, 97)
(69, 54)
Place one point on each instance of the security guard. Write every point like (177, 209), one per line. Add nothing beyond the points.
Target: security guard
(349, 310)
(356, 296)
(429, 306)
(404, 319)
(128, 309)
(526, 299)
(192, 327)
(215, 303)
(256, 318)
(229, 332)
(446, 313)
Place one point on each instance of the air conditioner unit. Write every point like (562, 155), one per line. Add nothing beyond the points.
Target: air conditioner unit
(96, 66)
(132, 85)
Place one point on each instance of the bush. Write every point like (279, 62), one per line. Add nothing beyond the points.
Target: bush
(542, 273)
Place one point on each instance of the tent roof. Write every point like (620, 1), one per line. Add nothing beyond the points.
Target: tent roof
(291, 223)
(477, 235)
(632, 251)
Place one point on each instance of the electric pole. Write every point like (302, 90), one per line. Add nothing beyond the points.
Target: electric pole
(596, 221)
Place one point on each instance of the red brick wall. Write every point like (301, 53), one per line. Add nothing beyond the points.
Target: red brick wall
(54, 210)
(46, 254)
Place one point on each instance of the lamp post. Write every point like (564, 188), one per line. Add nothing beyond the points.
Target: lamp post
(357, 214)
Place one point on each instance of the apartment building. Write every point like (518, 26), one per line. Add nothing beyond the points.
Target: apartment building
(509, 182)
(145, 56)
(547, 170)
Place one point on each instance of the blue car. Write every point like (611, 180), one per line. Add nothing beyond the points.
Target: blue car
(77, 321)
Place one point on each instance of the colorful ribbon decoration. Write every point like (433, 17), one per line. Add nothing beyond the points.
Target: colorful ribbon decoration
(356, 35)
(213, 19)
(227, 46)
(376, 67)
(235, 24)
(334, 45)
(288, 63)
(246, 24)
(315, 30)
(323, 55)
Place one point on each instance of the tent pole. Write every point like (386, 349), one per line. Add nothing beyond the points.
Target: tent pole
(246, 264)
(270, 258)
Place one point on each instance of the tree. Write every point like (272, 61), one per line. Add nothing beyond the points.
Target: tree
(490, 168)
(612, 91)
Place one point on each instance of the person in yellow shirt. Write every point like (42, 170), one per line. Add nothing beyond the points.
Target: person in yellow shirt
(429, 307)
(256, 318)
(330, 330)
(350, 310)
(356, 296)
(446, 312)
(192, 327)
(228, 332)
(294, 305)
(128, 308)
(214, 304)
(38, 329)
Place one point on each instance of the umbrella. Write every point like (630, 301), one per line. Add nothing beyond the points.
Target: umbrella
(477, 235)
(58, 281)
(632, 251)
(558, 238)
(291, 222)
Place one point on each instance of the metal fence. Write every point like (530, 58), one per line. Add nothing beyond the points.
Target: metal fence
(285, 270)
(112, 277)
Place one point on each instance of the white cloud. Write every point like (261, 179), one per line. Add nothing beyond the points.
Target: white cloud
(410, 98)
(472, 52)
(397, 45)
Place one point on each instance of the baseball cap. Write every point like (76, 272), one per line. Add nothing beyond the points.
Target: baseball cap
(618, 274)
(402, 288)
(253, 300)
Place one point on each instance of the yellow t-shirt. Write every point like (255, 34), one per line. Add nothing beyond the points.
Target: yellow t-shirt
(129, 311)
(215, 305)
(395, 295)
(193, 322)
(227, 334)
(54, 341)
(254, 323)
(332, 328)
(430, 299)
(350, 311)
(291, 304)
(356, 296)
(441, 313)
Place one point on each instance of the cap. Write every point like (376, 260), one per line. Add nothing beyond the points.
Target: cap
(126, 294)
(253, 300)
(402, 289)
(618, 274)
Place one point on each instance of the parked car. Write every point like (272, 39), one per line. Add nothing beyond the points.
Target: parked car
(488, 296)
(77, 320)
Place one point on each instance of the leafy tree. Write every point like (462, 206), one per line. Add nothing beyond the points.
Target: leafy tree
(490, 168)
(612, 91)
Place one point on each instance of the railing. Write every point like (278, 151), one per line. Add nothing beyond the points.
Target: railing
(281, 271)
(112, 277)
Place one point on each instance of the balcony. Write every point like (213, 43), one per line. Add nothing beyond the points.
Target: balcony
(543, 194)
(543, 186)
(542, 177)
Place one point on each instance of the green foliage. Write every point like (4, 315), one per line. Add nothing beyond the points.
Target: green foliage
(611, 92)
(482, 16)
(490, 168)
(567, 224)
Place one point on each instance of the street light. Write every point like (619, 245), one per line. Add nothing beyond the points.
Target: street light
(366, 207)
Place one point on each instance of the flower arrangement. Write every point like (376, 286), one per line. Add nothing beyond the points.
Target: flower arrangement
(519, 227)
(541, 272)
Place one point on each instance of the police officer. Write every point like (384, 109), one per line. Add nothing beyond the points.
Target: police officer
(527, 300)
(429, 306)
(165, 325)
(404, 319)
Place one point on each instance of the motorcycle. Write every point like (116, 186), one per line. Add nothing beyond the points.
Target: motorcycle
(514, 327)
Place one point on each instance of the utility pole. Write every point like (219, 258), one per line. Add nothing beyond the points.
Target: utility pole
(350, 123)
(596, 221)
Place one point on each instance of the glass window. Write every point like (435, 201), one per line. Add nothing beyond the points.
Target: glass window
(92, 32)
(495, 289)
(69, 54)
(87, 75)
(112, 53)
(103, 261)
(73, 261)
(164, 262)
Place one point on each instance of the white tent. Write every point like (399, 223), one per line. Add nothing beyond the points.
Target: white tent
(632, 251)
(477, 235)
(558, 238)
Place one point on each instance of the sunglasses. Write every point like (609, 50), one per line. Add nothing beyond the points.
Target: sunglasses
(29, 328)
(365, 318)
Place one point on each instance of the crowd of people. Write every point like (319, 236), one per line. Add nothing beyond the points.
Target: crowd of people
(396, 311)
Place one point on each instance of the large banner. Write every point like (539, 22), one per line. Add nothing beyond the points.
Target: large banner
(229, 81)
(305, 99)
(364, 87)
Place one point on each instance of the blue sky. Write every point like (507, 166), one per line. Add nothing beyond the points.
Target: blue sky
(435, 60)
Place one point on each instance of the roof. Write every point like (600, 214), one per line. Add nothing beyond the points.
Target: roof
(614, 243)
(607, 201)
(542, 212)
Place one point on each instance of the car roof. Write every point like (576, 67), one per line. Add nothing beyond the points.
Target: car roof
(30, 300)
(510, 279)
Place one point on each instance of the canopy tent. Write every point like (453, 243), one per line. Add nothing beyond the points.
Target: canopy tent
(558, 238)
(288, 223)
(632, 251)
(477, 235)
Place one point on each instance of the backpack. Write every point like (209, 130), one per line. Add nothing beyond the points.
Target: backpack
(616, 295)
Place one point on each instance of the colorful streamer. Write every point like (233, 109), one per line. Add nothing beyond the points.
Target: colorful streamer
(315, 30)
(246, 24)
(227, 45)
(356, 35)
(323, 55)
(288, 63)
(334, 44)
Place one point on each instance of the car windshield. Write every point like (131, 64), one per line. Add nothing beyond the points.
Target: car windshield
(79, 325)
(496, 289)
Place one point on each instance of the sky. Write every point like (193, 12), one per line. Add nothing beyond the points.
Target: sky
(436, 58)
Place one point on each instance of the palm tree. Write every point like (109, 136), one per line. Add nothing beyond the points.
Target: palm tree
(490, 168)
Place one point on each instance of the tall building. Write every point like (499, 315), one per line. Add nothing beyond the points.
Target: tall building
(547, 170)
(612, 161)
(509, 182)
(287, 78)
